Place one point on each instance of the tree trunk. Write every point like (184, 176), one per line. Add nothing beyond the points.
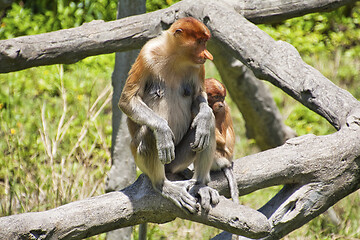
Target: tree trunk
(123, 169)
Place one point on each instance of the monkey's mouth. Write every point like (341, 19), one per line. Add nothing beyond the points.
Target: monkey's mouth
(201, 60)
(205, 54)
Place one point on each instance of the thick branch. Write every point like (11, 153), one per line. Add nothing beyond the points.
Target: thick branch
(72, 45)
(136, 204)
(97, 37)
(318, 171)
(263, 120)
(277, 62)
(270, 11)
(301, 160)
(317, 179)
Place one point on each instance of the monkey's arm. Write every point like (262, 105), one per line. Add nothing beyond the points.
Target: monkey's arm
(133, 106)
(204, 124)
(140, 113)
(220, 140)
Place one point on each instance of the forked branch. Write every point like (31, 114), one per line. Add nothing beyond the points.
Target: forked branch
(317, 171)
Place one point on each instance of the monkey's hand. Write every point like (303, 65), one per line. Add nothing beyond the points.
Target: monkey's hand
(164, 142)
(204, 124)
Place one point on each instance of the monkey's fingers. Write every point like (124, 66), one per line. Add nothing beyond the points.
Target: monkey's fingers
(166, 150)
(200, 143)
(188, 204)
(215, 197)
(166, 155)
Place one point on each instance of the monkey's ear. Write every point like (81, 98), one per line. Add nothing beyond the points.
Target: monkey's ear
(178, 32)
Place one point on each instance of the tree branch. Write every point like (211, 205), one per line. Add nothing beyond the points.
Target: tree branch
(272, 11)
(315, 181)
(317, 172)
(296, 162)
(263, 120)
(277, 62)
(98, 37)
(135, 204)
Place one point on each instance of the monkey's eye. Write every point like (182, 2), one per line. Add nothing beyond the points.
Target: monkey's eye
(219, 98)
(178, 31)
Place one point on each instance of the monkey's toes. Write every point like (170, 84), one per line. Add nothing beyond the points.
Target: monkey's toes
(208, 196)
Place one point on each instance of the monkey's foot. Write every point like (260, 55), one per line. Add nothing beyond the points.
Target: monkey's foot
(208, 196)
(177, 192)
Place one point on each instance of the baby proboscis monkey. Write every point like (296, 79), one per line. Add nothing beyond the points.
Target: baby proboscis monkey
(224, 133)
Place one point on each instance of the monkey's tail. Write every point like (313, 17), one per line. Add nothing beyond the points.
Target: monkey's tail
(234, 191)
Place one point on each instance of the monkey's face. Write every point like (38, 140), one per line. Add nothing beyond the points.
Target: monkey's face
(218, 107)
(216, 93)
(191, 36)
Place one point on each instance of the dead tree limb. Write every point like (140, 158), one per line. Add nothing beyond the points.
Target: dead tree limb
(98, 37)
(316, 171)
(272, 11)
(135, 204)
(279, 63)
(314, 180)
(263, 120)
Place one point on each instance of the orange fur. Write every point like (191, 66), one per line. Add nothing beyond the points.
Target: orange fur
(164, 86)
(225, 135)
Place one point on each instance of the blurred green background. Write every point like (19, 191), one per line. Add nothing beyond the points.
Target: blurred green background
(55, 121)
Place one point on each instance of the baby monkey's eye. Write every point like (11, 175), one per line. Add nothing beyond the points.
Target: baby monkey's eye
(219, 98)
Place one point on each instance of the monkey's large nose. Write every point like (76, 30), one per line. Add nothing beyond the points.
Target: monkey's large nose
(208, 55)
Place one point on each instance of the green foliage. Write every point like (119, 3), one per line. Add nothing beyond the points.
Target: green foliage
(55, 121)
(153, 5)
(35, 17)
(55, 126)
(321, 32)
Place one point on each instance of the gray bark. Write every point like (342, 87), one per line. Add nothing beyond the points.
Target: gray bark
(123, 169)
(279, 63)
(317, 171)
(272, 11)
(314, 180)
(263, 120)
(136, 204)
(98, 37)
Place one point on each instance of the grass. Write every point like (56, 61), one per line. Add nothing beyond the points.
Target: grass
(55, 144)
(55, 129)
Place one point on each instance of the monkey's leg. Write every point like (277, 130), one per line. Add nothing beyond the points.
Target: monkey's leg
(202, 165)
(177, 192)
(184, 155)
